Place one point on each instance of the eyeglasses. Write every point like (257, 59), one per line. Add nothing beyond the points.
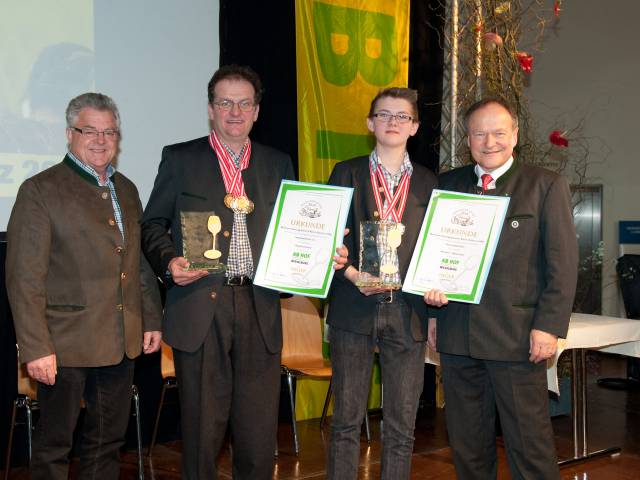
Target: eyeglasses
(387, 117)
(92, 133)
(226, 105)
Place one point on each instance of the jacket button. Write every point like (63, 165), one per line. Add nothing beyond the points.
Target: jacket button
(119, 307)
(226, 233)
(123, 275)
(119, 249)
(112, 222)
(105, 195)
(213, 295)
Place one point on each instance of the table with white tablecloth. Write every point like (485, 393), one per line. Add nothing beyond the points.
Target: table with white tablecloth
(586, 332)
(596, 332)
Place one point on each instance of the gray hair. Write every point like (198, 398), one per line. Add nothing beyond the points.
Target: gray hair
(97, 101)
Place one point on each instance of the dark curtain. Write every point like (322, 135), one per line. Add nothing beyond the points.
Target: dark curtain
(262, 34)
(8, 363)
(425, 75)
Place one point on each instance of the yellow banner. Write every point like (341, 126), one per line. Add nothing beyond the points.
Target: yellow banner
(346, 51)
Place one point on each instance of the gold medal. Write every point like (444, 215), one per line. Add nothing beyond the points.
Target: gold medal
(228, 200)
(238, 204)
(244, 205)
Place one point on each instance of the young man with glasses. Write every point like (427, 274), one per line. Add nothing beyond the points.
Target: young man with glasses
(226, 333)
(388, 186)
(85, 302)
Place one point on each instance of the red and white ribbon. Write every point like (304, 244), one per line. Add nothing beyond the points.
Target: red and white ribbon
(396, 202)
(231, 175)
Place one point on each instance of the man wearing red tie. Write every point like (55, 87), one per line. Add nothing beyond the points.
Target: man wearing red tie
(493, 354)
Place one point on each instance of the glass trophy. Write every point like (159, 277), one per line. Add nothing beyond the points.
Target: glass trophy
(199, 245)
(379, 263)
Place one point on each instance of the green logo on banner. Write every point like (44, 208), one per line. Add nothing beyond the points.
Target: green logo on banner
(351, 41)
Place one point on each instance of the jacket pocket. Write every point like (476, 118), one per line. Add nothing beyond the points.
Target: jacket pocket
(66, 308)
(193, 195)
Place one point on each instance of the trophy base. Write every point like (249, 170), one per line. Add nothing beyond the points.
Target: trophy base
(378, 284)
(219, 268)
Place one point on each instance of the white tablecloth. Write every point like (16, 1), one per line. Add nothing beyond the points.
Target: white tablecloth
(597, 332)
(594, 332)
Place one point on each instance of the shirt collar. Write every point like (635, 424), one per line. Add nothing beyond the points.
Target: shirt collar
(235, 156)
(497, 173)
(90, 170)
(406, 166)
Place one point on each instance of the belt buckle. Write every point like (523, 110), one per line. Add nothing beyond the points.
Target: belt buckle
(386, 297)
(238, 281)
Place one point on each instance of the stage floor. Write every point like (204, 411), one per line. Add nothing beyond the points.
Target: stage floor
(614, 421)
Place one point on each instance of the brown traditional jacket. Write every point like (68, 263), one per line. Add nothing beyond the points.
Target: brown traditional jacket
(76, 288)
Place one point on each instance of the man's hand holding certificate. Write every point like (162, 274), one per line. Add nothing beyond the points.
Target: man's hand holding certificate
(456, 244)
(307, 225)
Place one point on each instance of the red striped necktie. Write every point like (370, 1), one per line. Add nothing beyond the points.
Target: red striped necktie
(486, 180)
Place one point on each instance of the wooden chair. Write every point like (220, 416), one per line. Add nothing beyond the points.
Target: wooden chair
(168, 370)
(302, 352)
(27, 400)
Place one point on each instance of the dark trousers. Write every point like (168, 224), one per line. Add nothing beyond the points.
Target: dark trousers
(232, 378)
(473, 389)
(107, 396)
(402, 365)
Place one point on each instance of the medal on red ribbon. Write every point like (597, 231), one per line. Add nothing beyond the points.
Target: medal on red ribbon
(391, 228)
(236, 198)
(397, 202)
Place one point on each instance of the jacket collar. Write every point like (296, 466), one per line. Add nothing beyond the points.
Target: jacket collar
(83, 174)
(502, 179)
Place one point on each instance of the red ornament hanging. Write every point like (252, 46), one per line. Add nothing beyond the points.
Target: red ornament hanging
(491, 40)
(558, 138)
(556, 7)
(526, 61)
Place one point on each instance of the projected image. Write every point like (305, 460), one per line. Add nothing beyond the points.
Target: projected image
(59, 73)
(43, 67)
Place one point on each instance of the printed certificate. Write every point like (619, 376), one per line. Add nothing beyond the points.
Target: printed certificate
(456, 245)
(306, 226)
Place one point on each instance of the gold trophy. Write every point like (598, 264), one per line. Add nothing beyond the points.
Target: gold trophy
(199, 235)
(214, 226)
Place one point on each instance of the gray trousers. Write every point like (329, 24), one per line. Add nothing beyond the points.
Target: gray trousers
(473, 389)
(107, 395)
(231, 379)
(402, 365)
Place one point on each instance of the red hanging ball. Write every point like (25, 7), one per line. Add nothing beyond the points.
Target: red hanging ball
(557, 138)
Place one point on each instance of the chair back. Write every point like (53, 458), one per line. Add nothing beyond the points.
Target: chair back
(26, 385)
(167, 366)
(301, 329)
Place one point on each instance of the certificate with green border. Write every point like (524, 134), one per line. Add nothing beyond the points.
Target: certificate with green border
(456, 245)
(306, 227)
